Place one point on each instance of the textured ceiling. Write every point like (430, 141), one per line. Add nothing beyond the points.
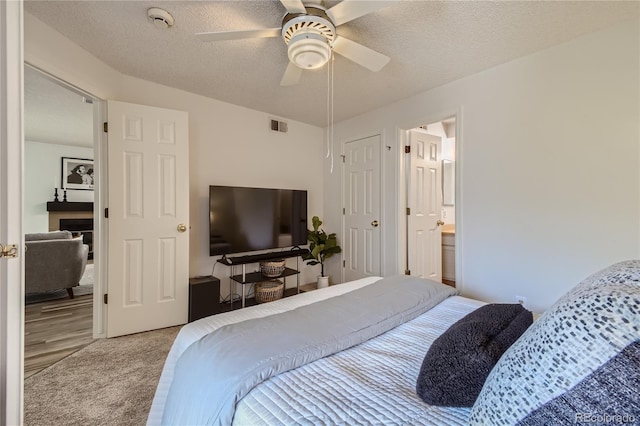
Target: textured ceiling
(54, 114)
(430, 43)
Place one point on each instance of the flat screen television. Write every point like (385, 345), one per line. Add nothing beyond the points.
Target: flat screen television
(249, 219)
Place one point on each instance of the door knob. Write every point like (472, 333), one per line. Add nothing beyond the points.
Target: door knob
(375, 223)
(439, 223)
(9, 251)
(182, 227)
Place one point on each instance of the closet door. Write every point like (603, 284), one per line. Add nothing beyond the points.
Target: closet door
(362, 224)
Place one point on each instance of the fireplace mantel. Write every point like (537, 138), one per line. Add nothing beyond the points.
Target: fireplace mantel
(69, 206)
(67, 210)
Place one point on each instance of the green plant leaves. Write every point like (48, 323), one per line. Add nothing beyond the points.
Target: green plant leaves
(321, 245)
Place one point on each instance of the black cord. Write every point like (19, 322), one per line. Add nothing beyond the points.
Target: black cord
(236, 298)
(216, 262)
(251, 292)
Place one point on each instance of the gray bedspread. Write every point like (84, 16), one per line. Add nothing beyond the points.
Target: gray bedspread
(214, 373)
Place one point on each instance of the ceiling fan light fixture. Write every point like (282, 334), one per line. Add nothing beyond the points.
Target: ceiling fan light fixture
(309, 51)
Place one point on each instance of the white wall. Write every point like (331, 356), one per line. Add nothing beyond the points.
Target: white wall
(449, 153)
(548, 158)
(232, 145)
(42, 168)
(548, 167)
(229, 145)
(52, 52)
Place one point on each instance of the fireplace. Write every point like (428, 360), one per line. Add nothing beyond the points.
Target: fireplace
(74, 217)
(80, 226)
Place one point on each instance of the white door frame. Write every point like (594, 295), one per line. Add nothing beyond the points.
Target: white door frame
(402, 138)
(11, 169)
(100, 199)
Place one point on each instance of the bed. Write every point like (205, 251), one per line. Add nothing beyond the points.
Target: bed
(373, 381)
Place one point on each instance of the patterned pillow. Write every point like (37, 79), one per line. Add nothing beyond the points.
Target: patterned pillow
(581, 332)
(611, 389)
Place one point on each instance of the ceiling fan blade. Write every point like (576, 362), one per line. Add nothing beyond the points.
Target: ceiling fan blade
(239, 35)
(360, 54)
(348, 10)
(294, 6)
(291, 75)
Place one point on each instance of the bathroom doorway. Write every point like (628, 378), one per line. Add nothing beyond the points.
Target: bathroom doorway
(430, 162)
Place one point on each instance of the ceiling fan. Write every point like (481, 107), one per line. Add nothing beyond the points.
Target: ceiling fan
(309, 31)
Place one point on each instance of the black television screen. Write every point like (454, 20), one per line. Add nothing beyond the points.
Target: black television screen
(250, 219)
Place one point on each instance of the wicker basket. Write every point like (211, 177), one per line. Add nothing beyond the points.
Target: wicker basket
(272, 268)
(268, 291)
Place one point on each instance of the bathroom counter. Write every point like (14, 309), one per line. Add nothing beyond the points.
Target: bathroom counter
(449, 228)
(449, 252)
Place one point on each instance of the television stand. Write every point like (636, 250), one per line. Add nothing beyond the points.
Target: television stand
(253, 277)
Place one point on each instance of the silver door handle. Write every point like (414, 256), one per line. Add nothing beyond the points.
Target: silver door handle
(375, 223)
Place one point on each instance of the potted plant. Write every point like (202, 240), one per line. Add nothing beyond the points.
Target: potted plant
(321, 247)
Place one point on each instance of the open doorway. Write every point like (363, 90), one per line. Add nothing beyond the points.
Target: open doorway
(430, 159)
(59, 143)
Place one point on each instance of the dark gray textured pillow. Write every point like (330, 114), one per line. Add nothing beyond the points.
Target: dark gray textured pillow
(459, 361)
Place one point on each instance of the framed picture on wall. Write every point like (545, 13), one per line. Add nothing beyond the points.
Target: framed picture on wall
(77, 173)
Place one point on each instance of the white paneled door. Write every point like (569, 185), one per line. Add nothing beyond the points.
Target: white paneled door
(425, 206)
(362, 223)
(148, 256)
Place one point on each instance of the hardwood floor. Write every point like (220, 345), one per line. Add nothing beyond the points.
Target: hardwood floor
(449, 282)
(56, 329)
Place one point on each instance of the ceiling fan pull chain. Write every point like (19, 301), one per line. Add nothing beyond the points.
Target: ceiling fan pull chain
(328, 111)
(331, 126)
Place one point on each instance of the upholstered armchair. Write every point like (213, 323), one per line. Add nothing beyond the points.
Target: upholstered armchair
(53, 261)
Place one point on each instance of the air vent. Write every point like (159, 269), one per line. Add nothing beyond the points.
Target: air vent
(278, 126)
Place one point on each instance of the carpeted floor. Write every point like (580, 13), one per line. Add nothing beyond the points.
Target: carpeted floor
(109, 382)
